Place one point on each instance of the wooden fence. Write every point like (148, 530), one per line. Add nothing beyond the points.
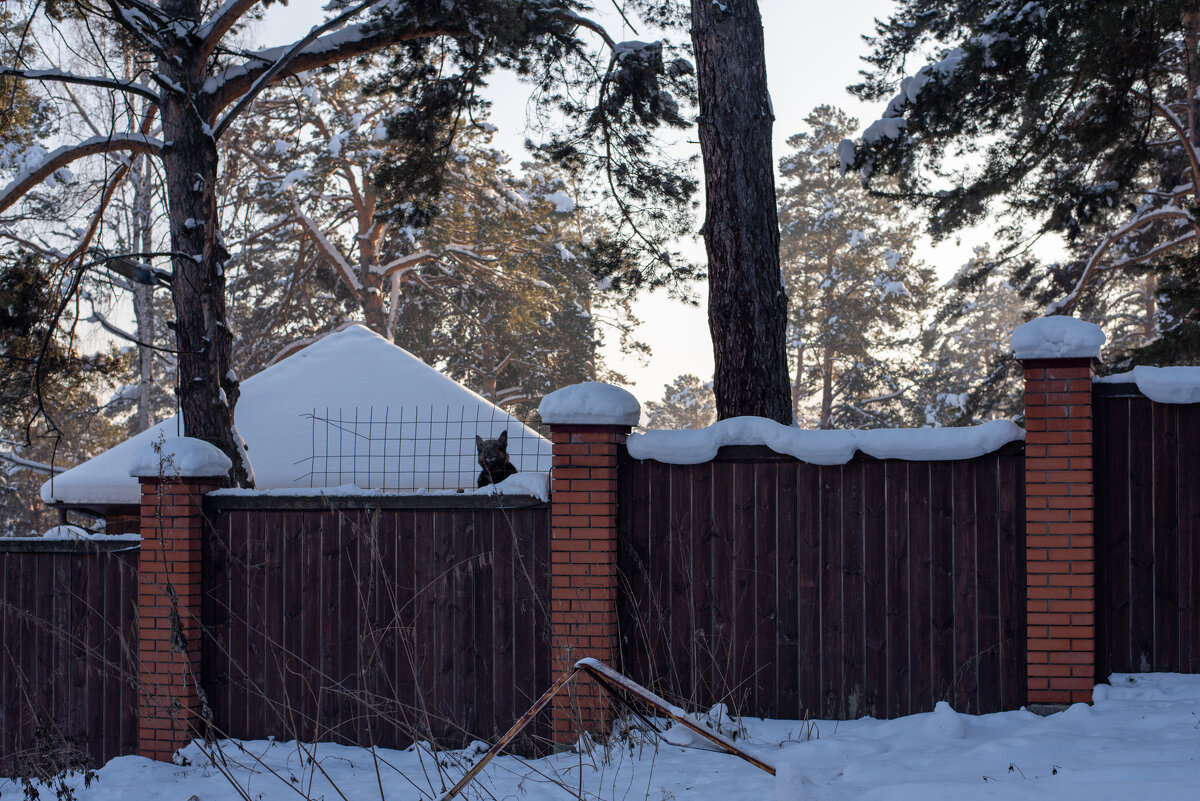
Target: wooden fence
(1147, 532)
(67, 692)
(378, 625)
(787, 589)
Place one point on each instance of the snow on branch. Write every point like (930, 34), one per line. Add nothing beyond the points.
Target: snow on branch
(327, 249)
(13, 459)
(289, 54)
(68, 154)
(139, 24)
(222, 20)
(85, 80)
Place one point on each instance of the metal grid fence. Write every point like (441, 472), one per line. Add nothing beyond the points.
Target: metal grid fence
(413, 447)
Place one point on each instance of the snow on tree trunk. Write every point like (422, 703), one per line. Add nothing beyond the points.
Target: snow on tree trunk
(747, 307)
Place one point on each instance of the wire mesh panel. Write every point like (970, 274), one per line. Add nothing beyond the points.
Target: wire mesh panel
(412, 447)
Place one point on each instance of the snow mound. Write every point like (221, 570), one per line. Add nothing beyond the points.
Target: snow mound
(943, 721)
(824, 447)
(1142, 687)
(179, 457)
(1161, 384)
(1057, 338)
(590, 403)
(535, 484)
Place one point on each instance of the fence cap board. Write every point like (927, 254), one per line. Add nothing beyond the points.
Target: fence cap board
(15, 545)
(279, 502)
(1113, 390)
(762, 453)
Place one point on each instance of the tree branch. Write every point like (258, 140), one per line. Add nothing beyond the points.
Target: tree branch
(221, 22)
(265, 78)
(68, 154)
(84, 80)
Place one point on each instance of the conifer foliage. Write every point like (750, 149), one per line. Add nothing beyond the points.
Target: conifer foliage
(1080, 118)
(857, 292)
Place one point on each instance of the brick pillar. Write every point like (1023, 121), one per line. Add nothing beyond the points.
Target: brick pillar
(588, 423)
(168, 620)
(1059, 507)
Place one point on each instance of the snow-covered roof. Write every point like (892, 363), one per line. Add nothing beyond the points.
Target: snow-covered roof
(824, 447)
(352, 373)
(1161, 384)
(1057, 338)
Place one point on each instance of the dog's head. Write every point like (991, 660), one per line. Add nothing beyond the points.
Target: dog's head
(492, 452)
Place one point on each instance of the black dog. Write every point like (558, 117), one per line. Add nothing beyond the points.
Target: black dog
(493, 458)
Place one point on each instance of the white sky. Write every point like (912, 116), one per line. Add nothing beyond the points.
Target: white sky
(813, 49)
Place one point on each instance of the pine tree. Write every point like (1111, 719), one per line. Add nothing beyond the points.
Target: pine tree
(200, 83)
(686, 403)
(968, 374)
(496, 289)
(1077, 119)
(857, 290)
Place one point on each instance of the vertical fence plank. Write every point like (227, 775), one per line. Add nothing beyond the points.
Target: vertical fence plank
(877, 680)
(832, 620)
(678, 594)
(966, 591)
(724, 680)
(787, 590)
(766, 575)
(853, 606)
(896, 601)
(941, 507)
(1165, 442)
(1142, 535)
(1189, 537)
(702, 541)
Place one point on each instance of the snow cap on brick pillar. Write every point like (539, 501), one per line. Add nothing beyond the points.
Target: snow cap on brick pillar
(588, 423)
(1059, 355)
(175, 475)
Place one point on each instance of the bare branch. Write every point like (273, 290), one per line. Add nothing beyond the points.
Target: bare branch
(1169, 212)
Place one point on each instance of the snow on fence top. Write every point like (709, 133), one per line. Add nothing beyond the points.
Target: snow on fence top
(1161, 384)
(1057, 338)
(590, 403)
(179, 457)
(535, 484)
(824, 447)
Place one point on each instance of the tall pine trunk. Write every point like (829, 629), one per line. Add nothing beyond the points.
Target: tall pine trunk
(747, 306)
(208, 388)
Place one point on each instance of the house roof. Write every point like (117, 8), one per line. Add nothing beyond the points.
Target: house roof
(351, 408)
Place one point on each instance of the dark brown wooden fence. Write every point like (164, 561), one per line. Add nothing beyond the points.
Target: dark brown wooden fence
(375, 626)
(1147, 532)
(66, 654)
(786, 589)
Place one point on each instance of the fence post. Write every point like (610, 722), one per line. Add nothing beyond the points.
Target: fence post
(588, 423)
(1059, 356)
(174, 476)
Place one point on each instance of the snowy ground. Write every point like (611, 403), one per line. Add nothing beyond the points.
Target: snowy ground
(1140, 740)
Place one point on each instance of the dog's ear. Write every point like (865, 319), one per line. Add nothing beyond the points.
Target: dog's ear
(504, 438)
(478, 444)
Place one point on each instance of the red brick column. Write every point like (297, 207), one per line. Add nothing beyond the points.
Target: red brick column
(583, 567)
(588, 423)
(1059, 533)
(168, 620)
